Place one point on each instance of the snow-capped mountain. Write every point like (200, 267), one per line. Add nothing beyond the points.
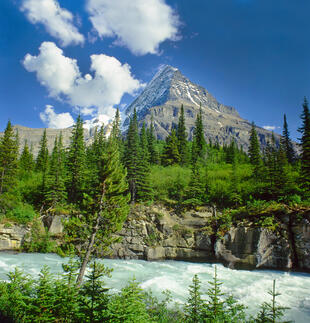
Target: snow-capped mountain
(169, 89)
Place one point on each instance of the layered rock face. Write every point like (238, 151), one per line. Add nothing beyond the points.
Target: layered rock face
(156, 233)
(12, 236)
(169, 89)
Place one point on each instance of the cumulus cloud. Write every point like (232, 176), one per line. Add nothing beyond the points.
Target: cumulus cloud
(140, 25)
(270, 128)
(56, 120)
(97, 91)
(57, 21)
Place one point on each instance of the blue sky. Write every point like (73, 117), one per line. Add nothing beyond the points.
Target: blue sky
(59, 57)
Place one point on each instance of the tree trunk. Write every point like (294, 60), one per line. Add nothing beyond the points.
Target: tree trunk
(88, 252)
(91, 241)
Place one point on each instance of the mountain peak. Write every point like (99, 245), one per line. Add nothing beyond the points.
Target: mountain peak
(170, 85)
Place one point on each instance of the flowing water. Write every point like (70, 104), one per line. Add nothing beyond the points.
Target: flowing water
(249, 287)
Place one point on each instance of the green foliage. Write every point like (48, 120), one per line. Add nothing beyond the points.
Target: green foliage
(171, 155)
(182, 139)
(26, 160)
(51, 298)
(39, 239)
(305, 145)
(129, 305)
(271, 312)
(199, 145)
(194, 307)
(254, 152)
(8, 159)
(76, 163)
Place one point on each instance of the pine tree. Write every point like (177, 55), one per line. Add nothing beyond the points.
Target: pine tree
(199, 143)
(196, 189)
(8, 158)
(144, 190)
(154, 158)
(305, 145)
(194, 306)
(26, 160)
(56, 189)
(42, 158)
(171, 153)
(270, 157)
(287, 143)
(132, 155)
(182, 138)
(144, 144)
(76, 163)
(104, 213)
(254, 152)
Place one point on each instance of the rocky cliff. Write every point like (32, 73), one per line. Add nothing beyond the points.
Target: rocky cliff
(158, 233)
(155, 233)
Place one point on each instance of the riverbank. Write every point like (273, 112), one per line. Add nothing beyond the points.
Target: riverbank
(158, 232)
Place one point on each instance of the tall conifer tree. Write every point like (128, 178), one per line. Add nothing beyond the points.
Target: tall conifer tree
(8, 158)
(132, 155)
(182, 138)
(42, 158)
(56, 189)
(171, 153)
(106, 211)
(305, 145)
(76, 163)
(26, 160)
(287, 143)
(199, 143)
(254, 152)
(154, 158)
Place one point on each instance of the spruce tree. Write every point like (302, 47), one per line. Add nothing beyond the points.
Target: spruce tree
(287, 143)
(132, 155)
(171, 153)
(195, 305)
(144, 144)
(270, 158)
(76, 163)
(154, 158)
(305, 146)
(104, 213)
(182, 138)
(199, 143)
(8, 158)
(254, 152)
(144, 190)
(56, 189)
(26, 160)
(42, 158)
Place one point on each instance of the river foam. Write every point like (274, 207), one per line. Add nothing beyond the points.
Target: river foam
(249, 287)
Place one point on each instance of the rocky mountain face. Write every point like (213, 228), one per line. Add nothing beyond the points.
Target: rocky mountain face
(169, 89)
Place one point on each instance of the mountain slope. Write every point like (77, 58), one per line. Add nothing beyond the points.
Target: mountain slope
(169, 89)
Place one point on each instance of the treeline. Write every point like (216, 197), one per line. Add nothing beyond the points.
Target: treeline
(51, 299)
(177, 171)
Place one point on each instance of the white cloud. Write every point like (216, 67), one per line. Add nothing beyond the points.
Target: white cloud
(140, 25)
(57, 21)
(91, 93)
(270, 128)
(54, 120)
